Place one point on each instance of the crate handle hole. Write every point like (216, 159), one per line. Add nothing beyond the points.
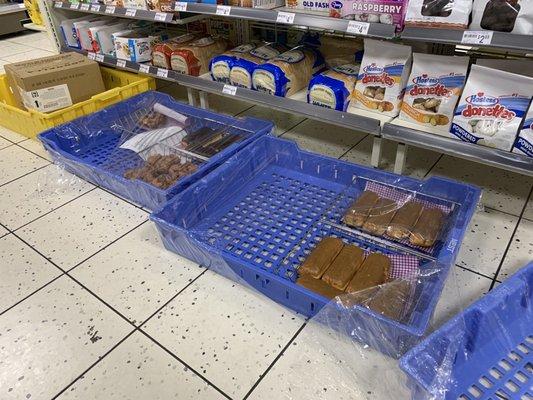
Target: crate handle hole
(505, 365)
(513, 387)
(475, 391)
(287, 294)
(485, 382)
(312, 307)
(521, 377)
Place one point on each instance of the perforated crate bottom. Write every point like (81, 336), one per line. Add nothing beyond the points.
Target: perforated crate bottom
(510, 379)
(270, 216)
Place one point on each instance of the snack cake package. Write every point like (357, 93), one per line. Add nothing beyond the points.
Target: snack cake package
(433, 89)
(382, 77)
(452, 14)
(333, 88)
(289, 72)
(492, 107)
(524, 140)
(391, 12)
(514, 16)
(220, 65)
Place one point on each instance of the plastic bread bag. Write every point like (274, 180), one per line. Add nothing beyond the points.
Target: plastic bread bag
(193, 58)
(289, 72)
(337, 51)
(382, 77)
(433, 90)
(162, 52)
(513, 16)
(492, 107)
(451, 14)
(333, 88)
(220, 65)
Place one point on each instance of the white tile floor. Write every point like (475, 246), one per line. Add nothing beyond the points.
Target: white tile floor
(91, 306)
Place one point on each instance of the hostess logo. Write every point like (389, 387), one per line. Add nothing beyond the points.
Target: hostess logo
(425, 80)
(481, 100)
(373, 69)
(336, 5)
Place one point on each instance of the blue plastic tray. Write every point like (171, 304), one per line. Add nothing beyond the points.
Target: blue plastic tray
(493, 342)
(88, 147)
(271, 200)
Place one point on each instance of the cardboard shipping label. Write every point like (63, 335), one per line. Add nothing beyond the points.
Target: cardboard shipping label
(47, 99)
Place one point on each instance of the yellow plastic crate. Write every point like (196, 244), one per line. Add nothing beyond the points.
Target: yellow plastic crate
(120, 85)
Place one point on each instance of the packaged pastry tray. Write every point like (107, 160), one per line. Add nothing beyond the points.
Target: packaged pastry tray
(259, 213)
(90, 147)
(485, 352)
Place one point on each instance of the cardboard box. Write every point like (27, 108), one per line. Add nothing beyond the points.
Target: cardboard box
(51, 83)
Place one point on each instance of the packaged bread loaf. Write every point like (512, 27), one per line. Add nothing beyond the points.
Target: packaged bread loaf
(514, 16)
(193, 58)
(382, 77)
(220, 65)
(162, 51)
(492, 107)
(333, 88)
(433, 89)
(289, 72)
(453, 14)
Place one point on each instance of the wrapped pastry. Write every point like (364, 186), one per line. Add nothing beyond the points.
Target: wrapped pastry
(391, 299)
(452, 14)
(404, 220)
(380, 216)
(359, 210)
(512, 16)
(427, 228)
(343, 268)
(321, 257)
(374, 271)
(318, 286)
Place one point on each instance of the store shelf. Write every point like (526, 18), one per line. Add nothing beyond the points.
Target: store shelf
(145, 15)
(451, 36)
(34, 27)
(11, 8)
(349, 120)
(282, 16)
(440, 144)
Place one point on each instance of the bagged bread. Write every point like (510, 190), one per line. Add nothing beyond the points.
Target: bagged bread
(162, 52)
(333, 88)
(220, 65)
(382, 77)
(524, 141)
(492, 107)
(289, 72)
(515, 16)
(193, 58)
(452, 14)
(337, 51)
(433, 89)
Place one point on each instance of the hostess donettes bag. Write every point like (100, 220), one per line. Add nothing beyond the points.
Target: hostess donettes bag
(492, 107)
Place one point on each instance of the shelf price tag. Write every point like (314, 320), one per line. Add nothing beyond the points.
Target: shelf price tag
(58, 4)
(477, 37)
(358, 27)
(91, 55)
(229, 89)
(180, 6)
(285, 17)
(160, 16)
(162, 73)
(130, 12)
(22, 5)
(121, 63)
(85, 7)
(145, 69)
(74, 6)
(95, 7)
(99, 57)
(223, 10)
(110, 10)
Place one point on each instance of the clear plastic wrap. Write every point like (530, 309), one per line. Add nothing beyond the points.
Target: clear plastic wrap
(149, 147)
(439, 13)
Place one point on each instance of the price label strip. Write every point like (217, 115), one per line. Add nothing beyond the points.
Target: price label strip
(130, 12)
(121, 63)
(358, 28)
(285, 17)
(95, 7)
(162, 73)
(145, 69)
(91, 55)
(74, 6)
(223, 10)
(85, 7)
(229, 89)
(161, 17)
(110, 10)
(180, 6)
(99, 58)
(477, 37)
(58, 4)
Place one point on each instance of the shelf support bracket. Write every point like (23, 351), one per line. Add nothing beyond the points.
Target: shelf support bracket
(204, 101)
(190, 96)
(401, 154)
(376, 151)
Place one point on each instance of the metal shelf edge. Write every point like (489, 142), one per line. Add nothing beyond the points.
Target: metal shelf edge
(481, 154)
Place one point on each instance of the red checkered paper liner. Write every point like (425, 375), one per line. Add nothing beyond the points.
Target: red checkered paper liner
(401, 197)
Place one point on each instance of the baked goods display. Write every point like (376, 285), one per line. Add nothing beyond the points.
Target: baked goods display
(377, 11)
(162, 171)
(380, 216)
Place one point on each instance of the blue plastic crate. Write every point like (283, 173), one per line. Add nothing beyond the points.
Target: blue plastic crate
(270, 202)
(489, 347)
(88, 146)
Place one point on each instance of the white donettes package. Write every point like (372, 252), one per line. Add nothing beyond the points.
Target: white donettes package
(492, 107)
(524, 141)
(433, 89)
(382, 77)
(515, 16)
(439, 13)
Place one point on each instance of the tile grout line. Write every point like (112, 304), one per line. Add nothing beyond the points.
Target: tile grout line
(511, 239)
(433, 166)
(351, 148)
(275, 361)
(26, 174)
(292, 127)
(32, 152)
(474, 272)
